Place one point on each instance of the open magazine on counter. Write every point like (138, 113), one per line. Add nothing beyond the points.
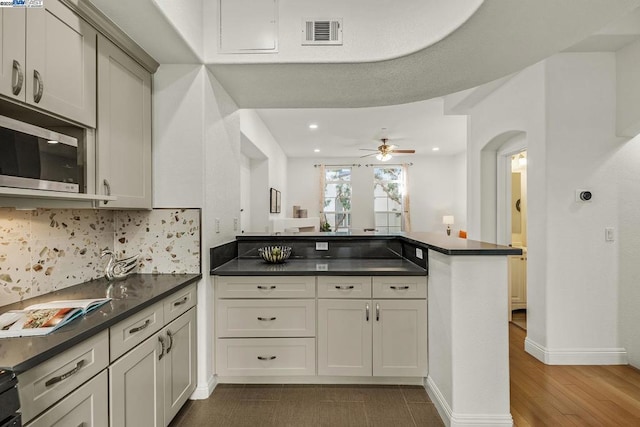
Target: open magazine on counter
(44, 318)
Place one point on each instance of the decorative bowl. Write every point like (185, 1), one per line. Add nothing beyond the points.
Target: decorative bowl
(275, 254)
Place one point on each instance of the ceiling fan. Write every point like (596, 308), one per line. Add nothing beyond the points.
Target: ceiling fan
(384, 151)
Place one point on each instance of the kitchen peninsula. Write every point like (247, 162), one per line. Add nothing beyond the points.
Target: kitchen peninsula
(466, 370)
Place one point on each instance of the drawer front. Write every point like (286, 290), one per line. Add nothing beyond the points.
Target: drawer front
(344, 287)
(265, 287)
(266, 356)
(42, 386)
(135, 329)
(266, 318)
(400, 287)
(179, 303)
(87, 406)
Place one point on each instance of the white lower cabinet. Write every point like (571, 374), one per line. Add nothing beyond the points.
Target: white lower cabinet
(372, 337)
(86, 407)
(149, 384)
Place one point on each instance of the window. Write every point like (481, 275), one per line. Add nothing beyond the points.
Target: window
(337, 198)
(387, 198)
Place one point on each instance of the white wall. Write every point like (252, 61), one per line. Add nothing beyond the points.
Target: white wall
(436, 188)
(566, 107)
(274, 169)
(628, 90)
(197, 163)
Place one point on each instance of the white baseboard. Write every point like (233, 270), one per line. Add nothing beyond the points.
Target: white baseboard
(576, 356)
(204, 391)
(452, 419)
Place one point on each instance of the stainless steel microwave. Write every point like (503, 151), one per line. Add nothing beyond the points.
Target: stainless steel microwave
(37, 158)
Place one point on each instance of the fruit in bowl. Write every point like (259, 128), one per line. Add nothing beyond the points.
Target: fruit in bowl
(275, 254)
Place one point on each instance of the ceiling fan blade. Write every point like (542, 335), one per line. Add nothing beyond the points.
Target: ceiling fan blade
(402, 151)
(369, 155)
(366, 149)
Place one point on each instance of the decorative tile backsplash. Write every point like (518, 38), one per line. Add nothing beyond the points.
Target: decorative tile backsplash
(48, 249)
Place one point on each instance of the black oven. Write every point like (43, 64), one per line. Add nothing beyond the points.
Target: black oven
(9, 400)
(36, 158)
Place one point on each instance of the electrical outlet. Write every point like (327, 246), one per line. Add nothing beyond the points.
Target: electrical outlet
(609, 234)
(419, 253)
(322, 246)
(217, 225)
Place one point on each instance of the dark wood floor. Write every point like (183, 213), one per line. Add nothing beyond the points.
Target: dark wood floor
(541, 395)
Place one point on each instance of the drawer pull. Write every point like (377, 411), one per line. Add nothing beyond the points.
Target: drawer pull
(399, 288)
(266, 319)
(266, 357)
(141, 327)
(182, 301)
(344, 287)
(56, 380)
(266, 287)
(170, 335)
(377, 312)
(367, 311)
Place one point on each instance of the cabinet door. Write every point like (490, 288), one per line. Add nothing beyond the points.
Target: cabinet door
(12, 73)
(344, 337)
(86, 407)
(135, 386)
(180, 363)
(400, 338)
(61, 63)
(124, 128)
(517, 281)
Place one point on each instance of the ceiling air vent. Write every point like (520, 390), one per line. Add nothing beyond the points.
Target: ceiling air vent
(322, 32)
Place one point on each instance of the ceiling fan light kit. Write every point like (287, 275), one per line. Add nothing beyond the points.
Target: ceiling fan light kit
(385, 151)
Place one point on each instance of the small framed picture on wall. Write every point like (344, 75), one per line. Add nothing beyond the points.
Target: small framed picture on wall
(273, 199)
(278, 198)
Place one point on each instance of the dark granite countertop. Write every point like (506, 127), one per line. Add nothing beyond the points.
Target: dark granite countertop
(439, 242)
(129, 297)
(319, 267)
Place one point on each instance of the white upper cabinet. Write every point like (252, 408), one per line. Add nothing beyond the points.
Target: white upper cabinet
(124, 129)
(12, 29)
(49, 61)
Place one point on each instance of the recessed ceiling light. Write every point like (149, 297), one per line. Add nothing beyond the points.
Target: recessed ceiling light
(317, 150)
(313, 126)
(436, 149)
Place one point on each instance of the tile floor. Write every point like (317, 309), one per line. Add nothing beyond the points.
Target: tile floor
(310, 405)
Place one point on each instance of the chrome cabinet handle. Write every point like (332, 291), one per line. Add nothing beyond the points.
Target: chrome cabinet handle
(344, 287)
(367, 311)
(141, 327)
(161, 340)
(56, 380)
(182, 301)
(266, 319)
(38, 87)
(170, 335)
(401, 288)
(266, 287)
(16, 86)
(377, 312)
(266, 357)
(107, 189)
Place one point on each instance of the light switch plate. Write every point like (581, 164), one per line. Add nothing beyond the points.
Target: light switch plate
(322, 246)
(609, 234)
(419, 253)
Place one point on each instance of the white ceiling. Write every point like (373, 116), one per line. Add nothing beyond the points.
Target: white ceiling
(342, 132)
(502, 37)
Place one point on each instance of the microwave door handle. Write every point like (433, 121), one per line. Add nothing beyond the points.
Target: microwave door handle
(107, 188)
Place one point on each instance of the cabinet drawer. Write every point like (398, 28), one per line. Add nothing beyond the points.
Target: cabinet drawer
(266, 356)
(344, 287)
(87, 406)
(400, 287)
(179, 303)
(265, 287)
(135, 329)
(50, 381)
(266, 318)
